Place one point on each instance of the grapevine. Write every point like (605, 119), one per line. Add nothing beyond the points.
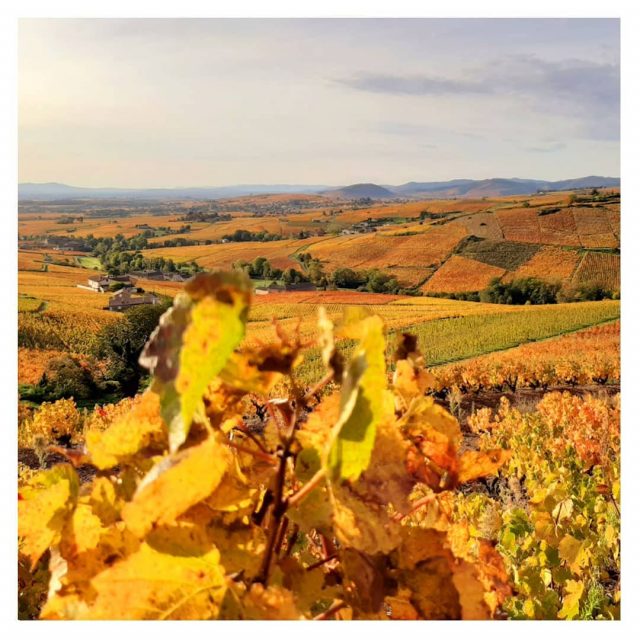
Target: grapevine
(230, 490)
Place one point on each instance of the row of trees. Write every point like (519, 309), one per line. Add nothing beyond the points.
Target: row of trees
(120, 255)
(533, 291)
(371, 280)
(242, 235)
(260, 268)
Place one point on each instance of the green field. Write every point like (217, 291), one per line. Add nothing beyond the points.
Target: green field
(446, 340)
(451, 339)
(89, 262)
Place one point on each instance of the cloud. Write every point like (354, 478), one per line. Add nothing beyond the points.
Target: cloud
(548, 148)
(416, 85)
(583, 90)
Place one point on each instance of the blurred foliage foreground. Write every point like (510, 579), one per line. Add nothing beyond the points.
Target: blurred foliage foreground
(229, 490)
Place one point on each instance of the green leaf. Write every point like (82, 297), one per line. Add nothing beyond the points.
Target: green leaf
(193, 343)
(361, 405)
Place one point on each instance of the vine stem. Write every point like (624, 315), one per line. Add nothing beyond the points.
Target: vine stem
(334, 608)
(279, 502)
(414, 507)
(267, 457)
(306, 489)
(292, 540)
(319, 386)
(315, 565)
(247, 434)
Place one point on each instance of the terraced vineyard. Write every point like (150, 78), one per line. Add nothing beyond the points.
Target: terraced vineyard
(462, 274)
(599, 268)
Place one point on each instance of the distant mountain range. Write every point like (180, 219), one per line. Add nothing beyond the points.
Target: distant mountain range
(450, 189)
(498, 187)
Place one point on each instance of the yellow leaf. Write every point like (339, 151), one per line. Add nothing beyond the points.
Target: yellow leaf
(434, 594)
(129, 434)
(325, 338)
(419, 544)
(44, 505)
(243, 374)
(423, 414)
(478, 464)
(105, 502)
(193, 343)
(365, 527)
(571, 601)
(471, 592)
(152, 584)
(216, 329)
(175, 484)
(308, 587)
(241, 548)
(411, 379)
(573, 552)
(386, 480)
(364, 577)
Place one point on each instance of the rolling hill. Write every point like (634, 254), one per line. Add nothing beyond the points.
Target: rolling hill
(363, 190)
(459, 188)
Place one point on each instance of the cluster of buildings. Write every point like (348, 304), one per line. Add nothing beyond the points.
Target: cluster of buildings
(128, 295)
(276, 288)
(56, 243)
(366, 226)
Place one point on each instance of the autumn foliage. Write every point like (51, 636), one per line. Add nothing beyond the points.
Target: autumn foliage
(229, 490)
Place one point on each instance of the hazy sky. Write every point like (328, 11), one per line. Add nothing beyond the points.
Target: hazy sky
(146, 103)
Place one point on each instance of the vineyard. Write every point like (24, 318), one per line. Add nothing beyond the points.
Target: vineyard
(550, 263)
(587, 357)
(462, 274)
(424, 244)
(232, 489)
(325, 454)
(599, 268)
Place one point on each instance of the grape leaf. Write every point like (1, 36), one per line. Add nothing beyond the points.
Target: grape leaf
(193, 343)
(129, 434)
(433, 592)
(571, 601)
(271, 603)
(478, 464)
(175, 484)
(361, 403)
(43, 508)
(365, 580)
(573, 552)
(365, 527)
(152, 584)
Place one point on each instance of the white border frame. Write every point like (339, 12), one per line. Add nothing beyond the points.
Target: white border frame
(630, 28)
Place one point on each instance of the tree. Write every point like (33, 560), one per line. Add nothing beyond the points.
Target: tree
(347, 278)
(257, 266)
(120, 344)
(65, 377)
(316, 273)
(293, 276)
(522, 291)
(378, 282)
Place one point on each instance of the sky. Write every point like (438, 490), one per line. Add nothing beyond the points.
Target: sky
(212, 102)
